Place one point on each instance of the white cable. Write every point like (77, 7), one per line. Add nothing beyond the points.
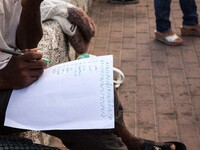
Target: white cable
(120, 77)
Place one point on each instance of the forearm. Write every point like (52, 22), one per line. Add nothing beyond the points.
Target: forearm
(29, 31)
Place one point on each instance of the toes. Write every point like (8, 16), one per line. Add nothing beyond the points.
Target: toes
(179, 40)
(173, 147)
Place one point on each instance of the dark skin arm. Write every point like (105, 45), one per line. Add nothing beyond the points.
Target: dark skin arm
(22, 71)
(29, 31)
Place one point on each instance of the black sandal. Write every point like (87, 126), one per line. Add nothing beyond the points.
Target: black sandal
(150, 145)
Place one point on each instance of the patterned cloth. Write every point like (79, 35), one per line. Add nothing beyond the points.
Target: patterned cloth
(54, 43)
(73, 21)
(58, 10)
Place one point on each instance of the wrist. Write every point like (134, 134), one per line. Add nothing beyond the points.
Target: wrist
(31, 4)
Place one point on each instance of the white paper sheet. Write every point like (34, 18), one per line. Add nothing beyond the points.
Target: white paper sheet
(72, 95)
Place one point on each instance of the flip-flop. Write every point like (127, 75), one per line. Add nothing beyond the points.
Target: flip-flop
(190, 31)
(123, 1)
(150, 145)
(169, 40)
(179, 145)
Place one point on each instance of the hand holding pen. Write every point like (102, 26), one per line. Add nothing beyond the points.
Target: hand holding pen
(22, 70)
(18, 53)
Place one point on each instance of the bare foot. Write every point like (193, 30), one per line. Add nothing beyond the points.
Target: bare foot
(159, 144)
(173, 147)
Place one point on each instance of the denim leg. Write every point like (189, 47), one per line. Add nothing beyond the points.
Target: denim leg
(189, 9)
(162, 13)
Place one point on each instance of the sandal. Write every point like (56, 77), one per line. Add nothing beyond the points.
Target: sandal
(151, 145)
(170, 39)
(190, 31)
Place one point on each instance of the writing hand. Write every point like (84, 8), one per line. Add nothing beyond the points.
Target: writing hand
(22, 71)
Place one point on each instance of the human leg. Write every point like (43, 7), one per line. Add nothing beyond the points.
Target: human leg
(10, 137)
(162, 14)
(111, 139)
(74, 139)
(189, 9)
(135, 143)
(89, 139)
(163, 30)
(106, 139)
(4, 98)
(114, 139)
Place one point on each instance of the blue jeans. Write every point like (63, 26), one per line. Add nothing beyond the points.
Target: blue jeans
(162, 13)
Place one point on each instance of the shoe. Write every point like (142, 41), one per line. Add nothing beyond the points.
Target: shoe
(173, 40)
(151, 145)
(186, 31)
(123, 1)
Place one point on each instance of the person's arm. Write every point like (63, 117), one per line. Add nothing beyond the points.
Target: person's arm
(29, 31)
(22, 71)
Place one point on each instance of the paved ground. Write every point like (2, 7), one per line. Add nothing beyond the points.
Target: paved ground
(161, 92)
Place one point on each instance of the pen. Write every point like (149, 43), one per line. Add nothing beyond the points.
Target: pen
(46, 60)
(17, 53)
(12, 52)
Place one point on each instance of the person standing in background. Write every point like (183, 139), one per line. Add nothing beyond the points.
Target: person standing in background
(190, 25)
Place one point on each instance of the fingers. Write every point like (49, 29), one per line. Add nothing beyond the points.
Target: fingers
(31, 55)
(27, 77)
(36, 64)
(36, 73)
(34, 57)
(21, 71)
(29, 61)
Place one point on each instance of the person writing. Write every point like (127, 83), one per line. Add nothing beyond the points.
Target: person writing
(20, 27)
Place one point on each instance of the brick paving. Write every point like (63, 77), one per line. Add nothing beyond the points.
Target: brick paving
(161, 92)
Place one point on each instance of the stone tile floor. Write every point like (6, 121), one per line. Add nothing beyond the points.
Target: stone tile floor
(161, 92)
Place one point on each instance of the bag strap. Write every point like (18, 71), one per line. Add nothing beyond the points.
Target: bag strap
(120, 77)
